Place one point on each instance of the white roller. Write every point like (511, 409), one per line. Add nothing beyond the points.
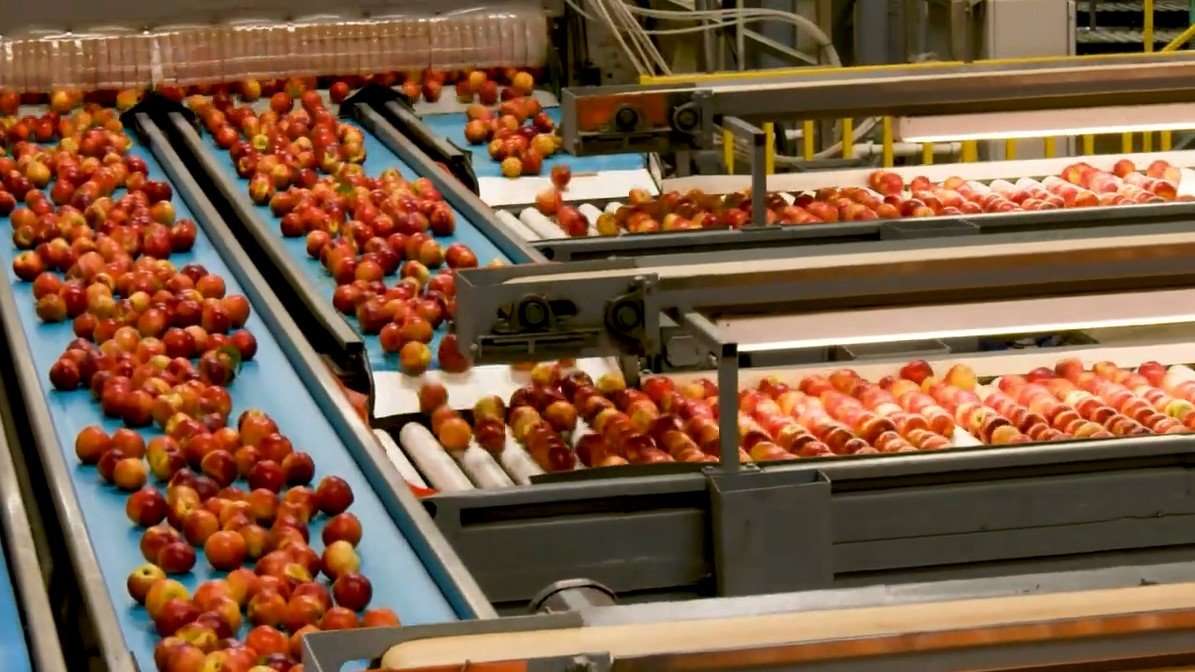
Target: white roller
(399, 459)
(1179, 373)
(579, 431)
(788, 198)
(979, 187)
(613, 206)
(481, 467)
(518, 462)
(541, 225)
(591, 213)
(517, 226)
(441, 470)
(962, 438)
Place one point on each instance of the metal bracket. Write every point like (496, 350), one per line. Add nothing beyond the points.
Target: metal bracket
(725, 356)
(507, 321)
(759, 177)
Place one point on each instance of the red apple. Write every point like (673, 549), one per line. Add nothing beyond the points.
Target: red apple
(333, 495)
(142, 579)
(352, 591)
(146, 507)
(342, 527)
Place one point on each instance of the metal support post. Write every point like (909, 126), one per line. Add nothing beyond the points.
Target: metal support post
(726, 356)
(757, 140)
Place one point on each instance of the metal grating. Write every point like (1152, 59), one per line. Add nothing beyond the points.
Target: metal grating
(1129, 6)
(1122, 36)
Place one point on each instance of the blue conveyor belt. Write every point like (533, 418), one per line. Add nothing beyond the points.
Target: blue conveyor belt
(378, 158)
(269, 382)
(452, 126)
(14, 652)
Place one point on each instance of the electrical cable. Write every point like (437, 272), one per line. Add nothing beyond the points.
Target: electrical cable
(646, 58)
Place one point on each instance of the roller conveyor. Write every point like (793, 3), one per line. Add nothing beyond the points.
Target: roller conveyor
(379, 158)
(406, 563)
(306, 278)
(694, 529)
(554, 242)
(596, 177)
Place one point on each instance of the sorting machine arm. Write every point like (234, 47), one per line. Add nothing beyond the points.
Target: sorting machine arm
(661, 118)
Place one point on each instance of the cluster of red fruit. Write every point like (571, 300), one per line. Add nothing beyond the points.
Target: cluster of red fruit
(886, 197)
(483, 85)
(1103, 402)
(140, 323)
(452, 431)
(281, 146)
(520, 134)
(670, 211)
(820, 416)
(361, 228)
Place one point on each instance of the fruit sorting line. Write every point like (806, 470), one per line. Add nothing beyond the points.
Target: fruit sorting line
(408, 569)
(598, 177)
(658, 512)
(378, 158)
(694, 214)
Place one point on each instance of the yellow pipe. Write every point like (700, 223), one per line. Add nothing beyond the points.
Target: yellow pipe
(1049, 147)
(889, 154)
(970, 151)
(1166, 142)
(728, 150)
(1010, 150)
(1181, 40)
(848, 138)
(1148, 32)
(1147, 142)
(807, 145)
(769, 149)
(1126, 143)
(927, 153)
(1089, 144)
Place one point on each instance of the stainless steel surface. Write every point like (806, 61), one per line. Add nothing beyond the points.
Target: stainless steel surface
(1051, 83)
(995, 267)
(954, 320)
(908, 593)
(442, 562)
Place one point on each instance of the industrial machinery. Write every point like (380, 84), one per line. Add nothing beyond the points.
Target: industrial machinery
(756, 435)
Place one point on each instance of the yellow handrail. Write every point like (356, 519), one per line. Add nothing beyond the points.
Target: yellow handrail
(1181, 40)
(889, 154)
(728, 150)
(769, 149)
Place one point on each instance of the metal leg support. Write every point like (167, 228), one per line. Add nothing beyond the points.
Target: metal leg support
(759, 177)
(771, 528)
